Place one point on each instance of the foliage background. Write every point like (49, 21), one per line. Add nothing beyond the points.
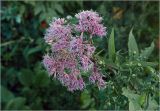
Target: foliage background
(25, 83)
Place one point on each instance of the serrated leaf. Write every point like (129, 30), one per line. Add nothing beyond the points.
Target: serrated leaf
(147, 52)
(6, 95)
(111, 46)
(132, 45)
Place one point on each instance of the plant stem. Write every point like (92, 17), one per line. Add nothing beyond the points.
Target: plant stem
(10, 42)
(81, 36)
(90, 39)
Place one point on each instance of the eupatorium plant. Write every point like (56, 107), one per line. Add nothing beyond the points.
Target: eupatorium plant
(72, 50)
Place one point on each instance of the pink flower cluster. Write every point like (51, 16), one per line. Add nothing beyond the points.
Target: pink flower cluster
(90, 21)
(71, 55)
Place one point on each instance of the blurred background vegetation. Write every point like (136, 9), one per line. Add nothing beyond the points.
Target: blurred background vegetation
(25, 83)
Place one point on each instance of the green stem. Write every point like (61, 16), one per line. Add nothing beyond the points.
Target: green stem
(81, 36)
(90, 39)
(99, 52)
(11, 42)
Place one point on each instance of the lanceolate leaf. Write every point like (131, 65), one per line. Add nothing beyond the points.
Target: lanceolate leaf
(147, 52)
(111, 46)
(132, 45)
(145, 64)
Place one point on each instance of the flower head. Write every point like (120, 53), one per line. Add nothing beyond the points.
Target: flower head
(90, 22)
(70, 55)
(49, 64)
(76, 46)
(57, 31)
(96, 77)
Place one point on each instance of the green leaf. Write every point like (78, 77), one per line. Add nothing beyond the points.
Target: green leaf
(147, 52)
(110, 64)
(22, 9)
(86, 99)
(30, 2)
(129, 94)
(50, 14)
(41, 79)
(38, 9)
(111, 46)
(133, 99)
(142, 99)
(26, 77)
(132, 45)
(59, 8)
(43, 16)
(37, 104)
(152, 104)
(6, 95)
(33, 50)
(131, 106)
(16, 104)
(18, 19)
(145, 64)
(134, 106)
(149, 70)
(141, 63)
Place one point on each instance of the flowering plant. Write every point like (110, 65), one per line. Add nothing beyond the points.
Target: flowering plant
(131, 75)
(72, 54)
